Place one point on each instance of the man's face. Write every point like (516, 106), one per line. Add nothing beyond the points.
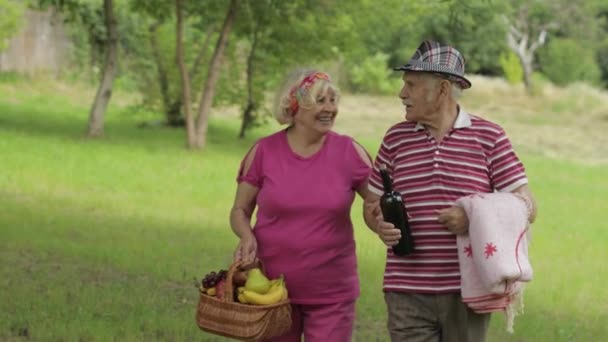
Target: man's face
(419, 96)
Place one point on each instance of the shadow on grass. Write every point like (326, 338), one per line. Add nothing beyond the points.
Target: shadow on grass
(69, 274)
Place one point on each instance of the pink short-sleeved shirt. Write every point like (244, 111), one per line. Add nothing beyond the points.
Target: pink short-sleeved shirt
(303, 225)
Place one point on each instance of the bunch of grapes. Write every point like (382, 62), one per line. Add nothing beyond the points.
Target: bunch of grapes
(211, 279)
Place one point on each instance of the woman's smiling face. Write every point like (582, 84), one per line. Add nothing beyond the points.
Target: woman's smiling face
(321, 115)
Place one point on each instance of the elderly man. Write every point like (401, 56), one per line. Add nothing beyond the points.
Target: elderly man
(438, 155)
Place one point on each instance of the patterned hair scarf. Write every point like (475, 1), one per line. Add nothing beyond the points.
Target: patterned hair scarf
(297, 93)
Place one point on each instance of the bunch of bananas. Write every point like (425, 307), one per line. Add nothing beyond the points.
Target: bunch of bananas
(258, 290)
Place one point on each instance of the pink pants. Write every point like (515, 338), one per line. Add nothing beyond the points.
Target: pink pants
(321, 323)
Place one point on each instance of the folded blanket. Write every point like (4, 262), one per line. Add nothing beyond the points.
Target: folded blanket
(493, 256)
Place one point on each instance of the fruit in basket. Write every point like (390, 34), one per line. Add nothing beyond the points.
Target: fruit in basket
(239, 295)
(220, 289)
(257, 281)
(275, 294)
(212, 279)
(239, 278)
(211, 291)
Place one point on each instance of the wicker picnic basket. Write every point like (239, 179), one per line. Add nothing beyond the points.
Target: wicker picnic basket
(243, 322)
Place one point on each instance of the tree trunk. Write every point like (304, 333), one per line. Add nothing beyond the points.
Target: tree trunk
(212, 77)
(163, 78)
(250, 108)
(104, 92)
(528, 70)
(179, 55)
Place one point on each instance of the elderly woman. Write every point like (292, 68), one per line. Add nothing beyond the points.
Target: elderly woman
(303, 181)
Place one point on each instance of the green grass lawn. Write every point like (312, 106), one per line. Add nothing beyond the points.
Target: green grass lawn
(101, 240)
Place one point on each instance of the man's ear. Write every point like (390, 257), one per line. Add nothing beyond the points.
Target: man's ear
(445, 88)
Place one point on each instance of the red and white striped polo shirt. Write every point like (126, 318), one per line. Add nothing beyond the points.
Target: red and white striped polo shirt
(474, 157)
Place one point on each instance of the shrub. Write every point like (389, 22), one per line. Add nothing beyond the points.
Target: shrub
(565, 61)
(511, 68)
(373, 76)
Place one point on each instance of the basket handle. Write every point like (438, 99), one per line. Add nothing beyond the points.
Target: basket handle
(236, 267)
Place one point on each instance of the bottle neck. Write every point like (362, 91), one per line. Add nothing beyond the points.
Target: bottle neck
(386, 181)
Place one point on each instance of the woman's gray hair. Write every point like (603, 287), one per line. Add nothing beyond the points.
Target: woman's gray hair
(282, 104)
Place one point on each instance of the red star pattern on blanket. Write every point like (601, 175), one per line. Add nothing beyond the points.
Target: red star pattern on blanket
(468, 250)
(490, 249)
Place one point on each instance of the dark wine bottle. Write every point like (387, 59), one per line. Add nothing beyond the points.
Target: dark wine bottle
(393, 210)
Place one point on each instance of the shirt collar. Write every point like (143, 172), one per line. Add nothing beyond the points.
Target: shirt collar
(463, 120)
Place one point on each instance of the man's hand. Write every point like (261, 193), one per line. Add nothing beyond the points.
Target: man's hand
(455, 219)
(374, 219)
(387, 232)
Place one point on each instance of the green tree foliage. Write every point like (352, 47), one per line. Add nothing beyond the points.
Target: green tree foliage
(150, 44)
(11, 12)
(511, 68)
(565, 61)
(280, 35)
(373, 77)
(358, 41)
(472, 26)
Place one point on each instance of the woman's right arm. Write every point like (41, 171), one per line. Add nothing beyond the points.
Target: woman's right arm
(240, 215)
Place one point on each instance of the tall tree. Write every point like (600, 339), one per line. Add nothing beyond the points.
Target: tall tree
(157, 71)
(531, 22)
(87, 13)
(104, 91)
(254, 31)
(206, 99)
(185, 77)
(524, 37)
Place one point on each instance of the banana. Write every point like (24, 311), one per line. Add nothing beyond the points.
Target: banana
(273, 296)
(281, 283)
(242, 299)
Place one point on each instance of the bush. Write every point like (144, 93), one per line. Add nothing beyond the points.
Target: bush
(511, 68)
(373, 76)
(565, 61)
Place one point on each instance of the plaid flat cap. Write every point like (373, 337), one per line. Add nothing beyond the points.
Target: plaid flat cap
(437, 58)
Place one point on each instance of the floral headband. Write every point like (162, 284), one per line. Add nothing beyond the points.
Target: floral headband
(297, 93)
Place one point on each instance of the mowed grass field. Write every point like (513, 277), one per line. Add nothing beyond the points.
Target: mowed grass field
(101, 240)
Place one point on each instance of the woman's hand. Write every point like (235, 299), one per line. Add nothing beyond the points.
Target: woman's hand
(246, 250)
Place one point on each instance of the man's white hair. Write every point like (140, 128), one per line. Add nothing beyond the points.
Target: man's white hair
(456, 91)
(434, 79)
